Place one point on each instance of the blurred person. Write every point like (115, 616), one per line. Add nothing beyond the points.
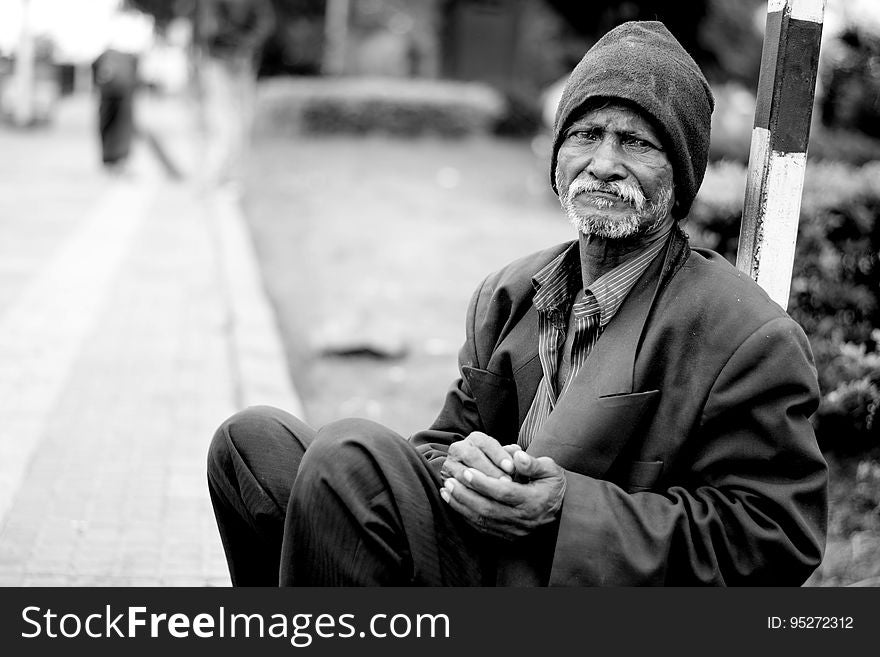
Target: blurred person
(115, 74)
(229, 36)
(630, 410)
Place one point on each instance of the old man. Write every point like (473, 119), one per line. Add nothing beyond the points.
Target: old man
(630, 411)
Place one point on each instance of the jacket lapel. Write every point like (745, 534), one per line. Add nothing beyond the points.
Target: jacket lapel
(503, 401)
(600, 404)
(600, 412)
(524, 362)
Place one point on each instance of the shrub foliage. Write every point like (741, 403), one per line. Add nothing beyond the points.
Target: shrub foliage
(362, 106)
(835, 293)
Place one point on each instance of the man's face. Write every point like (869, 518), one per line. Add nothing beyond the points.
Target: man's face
(613, 177)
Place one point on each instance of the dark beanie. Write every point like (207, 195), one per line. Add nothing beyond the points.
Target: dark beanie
(643, 64)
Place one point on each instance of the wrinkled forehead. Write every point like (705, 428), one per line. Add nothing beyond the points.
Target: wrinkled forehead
(630, 113)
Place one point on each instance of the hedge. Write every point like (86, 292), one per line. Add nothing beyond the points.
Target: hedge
(388, 106)
(835, 293)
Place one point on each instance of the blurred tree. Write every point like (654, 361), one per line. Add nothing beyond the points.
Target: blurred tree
(162, 10)
(297, 45)
(732, 32)
(682, 17)
(722, 36)
(851, 96)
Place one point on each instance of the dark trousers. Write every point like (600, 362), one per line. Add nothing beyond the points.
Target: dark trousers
(352, 504)
(116, 125)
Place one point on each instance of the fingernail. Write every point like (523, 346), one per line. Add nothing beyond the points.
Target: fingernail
(444, 495)
(505, 478)
(468, 476)
(507, 464)
(449, 484)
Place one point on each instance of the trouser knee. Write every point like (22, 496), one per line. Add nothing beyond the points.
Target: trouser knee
(240, 434)
(349, 451)
(258, 450)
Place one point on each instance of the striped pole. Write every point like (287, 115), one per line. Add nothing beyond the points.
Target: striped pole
(778, 155)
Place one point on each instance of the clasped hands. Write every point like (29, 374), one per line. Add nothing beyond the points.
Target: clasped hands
(500, 489)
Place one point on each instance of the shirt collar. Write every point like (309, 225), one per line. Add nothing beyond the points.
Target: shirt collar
(558, 281)
(612, 288)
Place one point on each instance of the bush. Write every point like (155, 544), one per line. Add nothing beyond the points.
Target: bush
(835, 291)
(847, 422)
(397, 107)
(840, 145)
(851, 81)
(837, 278)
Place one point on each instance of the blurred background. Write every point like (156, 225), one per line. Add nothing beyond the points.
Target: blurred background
(291, 201)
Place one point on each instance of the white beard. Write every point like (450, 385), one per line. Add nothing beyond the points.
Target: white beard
(644, 216)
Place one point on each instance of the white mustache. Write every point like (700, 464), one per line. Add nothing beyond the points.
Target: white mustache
(625, 191)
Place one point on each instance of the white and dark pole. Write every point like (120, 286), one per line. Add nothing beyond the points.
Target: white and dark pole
(778, 156)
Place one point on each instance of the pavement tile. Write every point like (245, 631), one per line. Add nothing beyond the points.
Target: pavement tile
(45, 579)
(10, 578)
(125, 333)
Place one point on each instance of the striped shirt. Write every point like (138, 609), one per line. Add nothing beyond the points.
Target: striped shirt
(566, 331)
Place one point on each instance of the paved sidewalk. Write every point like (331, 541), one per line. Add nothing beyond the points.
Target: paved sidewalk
(133, 320)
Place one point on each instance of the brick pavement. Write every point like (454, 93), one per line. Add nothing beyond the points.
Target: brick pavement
(134, 320)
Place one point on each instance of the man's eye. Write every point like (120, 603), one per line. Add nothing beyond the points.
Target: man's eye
(636, 143)
(585, 135)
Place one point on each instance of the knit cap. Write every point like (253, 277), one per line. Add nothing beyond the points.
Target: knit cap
(642, 63)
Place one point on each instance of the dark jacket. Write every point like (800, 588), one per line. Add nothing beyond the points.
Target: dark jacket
(685, 438)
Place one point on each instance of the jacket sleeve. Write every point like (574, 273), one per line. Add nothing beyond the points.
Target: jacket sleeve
(745, 502)
(459, 415)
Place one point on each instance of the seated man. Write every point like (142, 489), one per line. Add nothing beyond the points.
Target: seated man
(630, 411)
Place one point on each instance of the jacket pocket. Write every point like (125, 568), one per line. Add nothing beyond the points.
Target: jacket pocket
(495, 398)
(588, 437)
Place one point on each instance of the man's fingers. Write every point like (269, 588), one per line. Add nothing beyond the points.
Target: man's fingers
(490, 450)
(477, 521)
(536, 503)
(501, 490)
(465, 502)
(468, 454)
(493, 451)
(452, 468)
(485, 515)
(534, 468)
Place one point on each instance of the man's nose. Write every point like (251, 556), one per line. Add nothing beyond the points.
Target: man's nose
(605, 162)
